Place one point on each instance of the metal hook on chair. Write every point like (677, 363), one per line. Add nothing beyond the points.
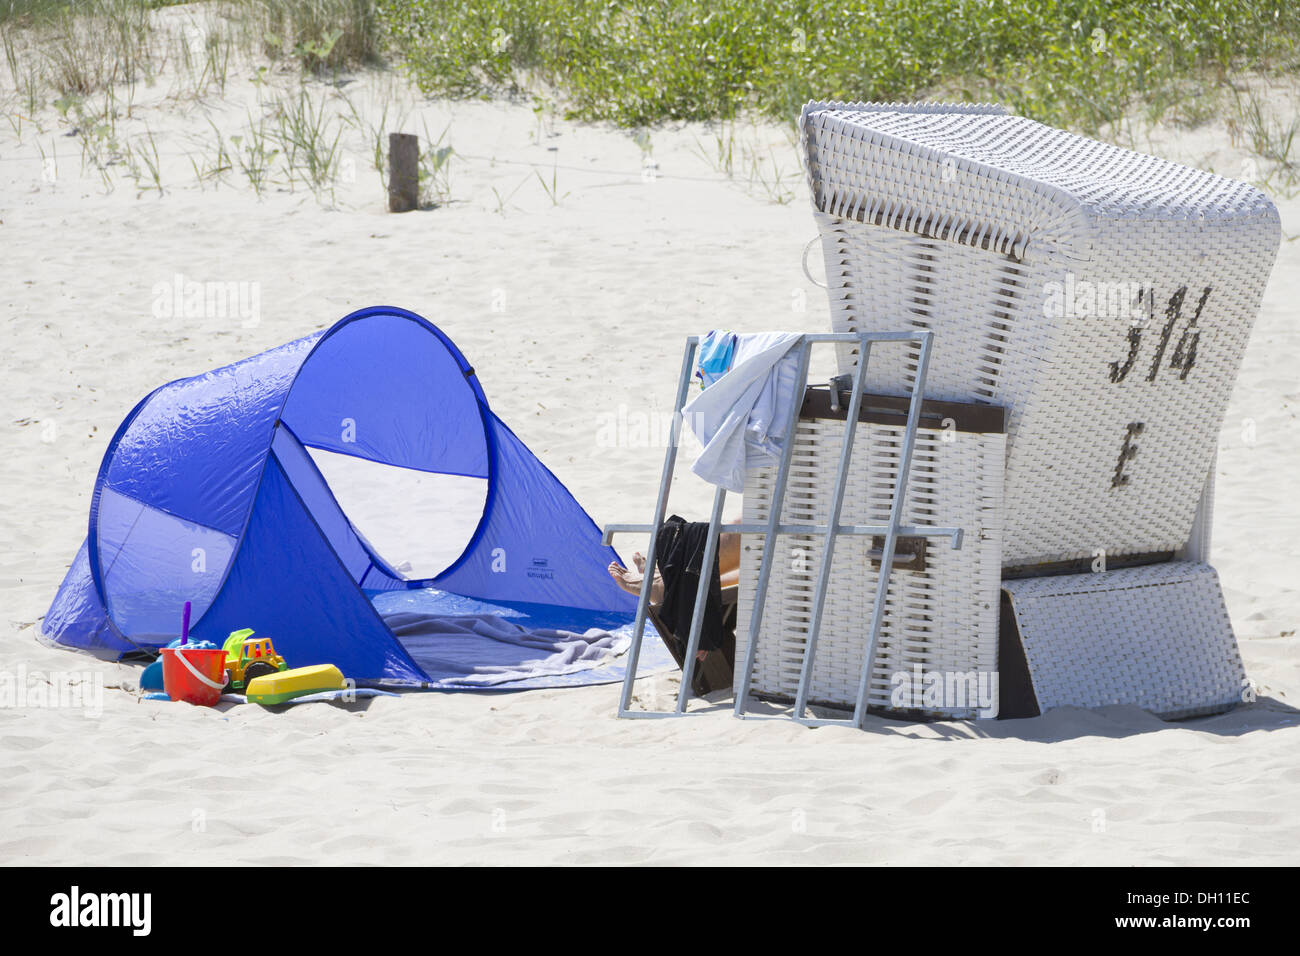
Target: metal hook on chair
(804, 262)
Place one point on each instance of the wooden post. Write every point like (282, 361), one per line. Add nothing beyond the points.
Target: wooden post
(403, 172)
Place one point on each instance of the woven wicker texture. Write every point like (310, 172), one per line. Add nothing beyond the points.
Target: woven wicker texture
(1105, 297)
(1157, 637)
(944, 619)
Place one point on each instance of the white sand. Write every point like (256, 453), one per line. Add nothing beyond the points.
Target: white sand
(569, 312)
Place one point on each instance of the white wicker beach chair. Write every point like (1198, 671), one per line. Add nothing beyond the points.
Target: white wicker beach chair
(1104, 298)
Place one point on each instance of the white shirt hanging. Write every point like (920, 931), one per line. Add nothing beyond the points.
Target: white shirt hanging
(741, 418)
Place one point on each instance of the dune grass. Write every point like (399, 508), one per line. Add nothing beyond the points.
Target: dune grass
(323, 35)
(1086, 65)
(89, 45)
(1075, 63)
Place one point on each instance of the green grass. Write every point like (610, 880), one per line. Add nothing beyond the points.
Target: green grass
(1086, 65)
(323, 35)
(29, 12)
(1076, 63)
(1081, 64)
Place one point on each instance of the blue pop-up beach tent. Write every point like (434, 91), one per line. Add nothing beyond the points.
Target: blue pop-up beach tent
(284, 491)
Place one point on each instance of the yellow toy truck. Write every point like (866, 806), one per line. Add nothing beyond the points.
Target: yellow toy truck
(248, 657)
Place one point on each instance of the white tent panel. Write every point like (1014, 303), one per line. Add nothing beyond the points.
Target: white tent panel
(435, 522)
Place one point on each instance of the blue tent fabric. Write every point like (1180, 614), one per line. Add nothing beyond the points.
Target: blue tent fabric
(328, 622)
(195, 447)
(522, 547)
(78, 613)
(209, 493)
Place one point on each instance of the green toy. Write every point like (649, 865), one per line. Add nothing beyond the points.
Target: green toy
(248, 658)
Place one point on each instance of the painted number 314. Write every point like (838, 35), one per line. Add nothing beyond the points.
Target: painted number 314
(1183, 359)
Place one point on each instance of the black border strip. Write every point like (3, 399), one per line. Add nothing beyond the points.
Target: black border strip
(892, 410)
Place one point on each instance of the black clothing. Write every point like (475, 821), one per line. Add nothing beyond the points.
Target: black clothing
(679, 553)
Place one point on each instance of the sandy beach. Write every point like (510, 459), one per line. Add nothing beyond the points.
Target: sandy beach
(568, 262)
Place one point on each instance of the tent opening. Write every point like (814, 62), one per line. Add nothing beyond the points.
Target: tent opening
(422, 542)
(397, 437)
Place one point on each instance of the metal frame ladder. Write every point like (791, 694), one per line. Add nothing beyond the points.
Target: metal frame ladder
(774, 526)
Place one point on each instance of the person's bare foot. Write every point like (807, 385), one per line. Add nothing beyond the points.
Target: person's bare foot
(631, 581)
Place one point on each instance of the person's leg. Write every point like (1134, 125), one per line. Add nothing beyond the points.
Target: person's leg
(729, 557)
(728, 571)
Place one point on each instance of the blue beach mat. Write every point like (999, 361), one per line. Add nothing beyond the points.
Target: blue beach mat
(467, 644)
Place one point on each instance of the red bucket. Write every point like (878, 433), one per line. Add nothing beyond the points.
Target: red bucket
(194, 675)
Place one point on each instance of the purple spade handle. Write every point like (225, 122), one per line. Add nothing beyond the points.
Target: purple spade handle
(185, 625)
